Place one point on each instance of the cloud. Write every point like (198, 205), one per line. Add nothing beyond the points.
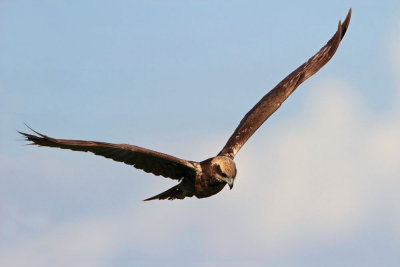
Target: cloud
(307, 179)
(318, 177)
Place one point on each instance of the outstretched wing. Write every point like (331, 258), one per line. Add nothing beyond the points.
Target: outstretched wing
(273, 100)
(141, 158)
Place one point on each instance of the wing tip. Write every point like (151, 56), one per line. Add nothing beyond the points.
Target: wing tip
(30, 128)
(346, 22)
(341, 31)
(36, 138)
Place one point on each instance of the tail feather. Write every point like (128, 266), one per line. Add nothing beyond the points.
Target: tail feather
(175, 192)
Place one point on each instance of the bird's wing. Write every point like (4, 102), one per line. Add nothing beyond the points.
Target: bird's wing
(273, 100)
(141, 158)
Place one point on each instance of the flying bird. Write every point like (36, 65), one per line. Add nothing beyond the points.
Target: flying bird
(206, 178)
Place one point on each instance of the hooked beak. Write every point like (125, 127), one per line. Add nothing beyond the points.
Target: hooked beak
(229, 181)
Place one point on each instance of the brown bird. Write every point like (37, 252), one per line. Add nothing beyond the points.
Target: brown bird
(208, 177)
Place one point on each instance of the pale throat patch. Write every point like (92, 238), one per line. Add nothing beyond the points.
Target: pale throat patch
(226, 164)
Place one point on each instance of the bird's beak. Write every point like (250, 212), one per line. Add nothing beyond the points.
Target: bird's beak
(229, 181)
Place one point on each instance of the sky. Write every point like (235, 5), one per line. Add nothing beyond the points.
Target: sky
(317, 184)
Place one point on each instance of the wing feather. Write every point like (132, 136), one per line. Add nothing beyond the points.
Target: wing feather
(273, 100)
(141, 158)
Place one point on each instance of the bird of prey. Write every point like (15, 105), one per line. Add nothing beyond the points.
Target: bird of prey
(206, 178)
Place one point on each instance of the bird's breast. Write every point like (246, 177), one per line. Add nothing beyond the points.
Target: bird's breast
(206, 186)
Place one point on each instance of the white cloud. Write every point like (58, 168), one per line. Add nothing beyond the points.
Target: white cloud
(321, 176)
(92, 241)
(307, 178)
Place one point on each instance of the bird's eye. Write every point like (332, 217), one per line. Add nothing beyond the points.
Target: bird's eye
(224, 174)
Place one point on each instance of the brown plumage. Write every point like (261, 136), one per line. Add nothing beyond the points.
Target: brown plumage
(208, 177)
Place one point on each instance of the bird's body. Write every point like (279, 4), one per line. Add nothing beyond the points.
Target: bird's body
(215, 174)
(206, 178)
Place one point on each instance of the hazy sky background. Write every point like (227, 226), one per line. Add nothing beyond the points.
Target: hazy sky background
(317, 185)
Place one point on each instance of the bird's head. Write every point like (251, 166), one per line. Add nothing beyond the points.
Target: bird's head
(224, 170)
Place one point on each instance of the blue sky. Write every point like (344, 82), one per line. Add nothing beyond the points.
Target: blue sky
(317, 185)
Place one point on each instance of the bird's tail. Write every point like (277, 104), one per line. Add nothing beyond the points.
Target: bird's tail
(175, 192)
